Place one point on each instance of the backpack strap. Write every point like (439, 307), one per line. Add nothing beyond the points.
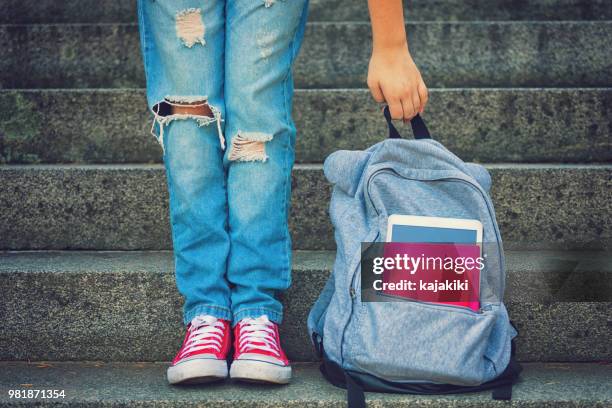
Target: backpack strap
(504, 391)
(355, 395)
(419, 129)
(510, 375)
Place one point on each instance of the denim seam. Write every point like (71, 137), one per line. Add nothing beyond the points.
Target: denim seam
(274, 313)
(252, 308)
(195, 311)
(143, 33)
(287, 267)
(287, 272)
(222, 308)
(212, 307)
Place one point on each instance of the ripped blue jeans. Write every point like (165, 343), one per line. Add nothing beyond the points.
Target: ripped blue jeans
(228, 173)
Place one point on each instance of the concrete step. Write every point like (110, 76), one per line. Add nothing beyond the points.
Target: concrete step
(125, 207)
(92, 384)
(113, 11)
(486, 125)
(334, 55)
(124, 306)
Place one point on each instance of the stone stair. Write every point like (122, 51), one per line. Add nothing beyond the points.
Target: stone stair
(124, 206)
(86, 274)
(518, 125)
(334, 54)
(113, 11)
(123, 305)
(115, 385)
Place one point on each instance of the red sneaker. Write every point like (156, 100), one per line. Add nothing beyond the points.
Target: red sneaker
(203, 355)
(258, 356)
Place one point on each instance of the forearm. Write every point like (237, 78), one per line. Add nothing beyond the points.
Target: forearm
(388, 29)
(393, 77)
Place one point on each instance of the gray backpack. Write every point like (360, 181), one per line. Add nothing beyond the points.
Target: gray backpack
(410, 347)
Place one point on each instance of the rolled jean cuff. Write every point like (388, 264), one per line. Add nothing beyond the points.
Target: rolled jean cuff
(254, 312)
(220, 312)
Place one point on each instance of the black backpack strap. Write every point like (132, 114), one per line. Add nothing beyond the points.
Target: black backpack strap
(509, 376)
(332, 372)
(503, 393)
(339, 377)
(419, 129)
(355, 396)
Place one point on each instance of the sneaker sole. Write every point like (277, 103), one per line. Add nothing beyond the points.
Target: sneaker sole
(260, 372)
(197, 371)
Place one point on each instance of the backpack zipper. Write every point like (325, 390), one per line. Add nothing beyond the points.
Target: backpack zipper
(353, 293)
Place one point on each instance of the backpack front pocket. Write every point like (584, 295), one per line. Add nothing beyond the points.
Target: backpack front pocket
(412, 341)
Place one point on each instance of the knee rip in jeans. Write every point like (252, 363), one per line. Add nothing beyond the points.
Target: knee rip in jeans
(163, 115)
(249, 146)
(190, 27)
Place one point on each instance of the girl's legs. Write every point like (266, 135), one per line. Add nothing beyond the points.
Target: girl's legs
(262, 41)
(183, 46)
(184, 51)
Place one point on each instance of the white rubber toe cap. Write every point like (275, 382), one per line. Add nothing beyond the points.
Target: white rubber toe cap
(258, 368)
(197, 370)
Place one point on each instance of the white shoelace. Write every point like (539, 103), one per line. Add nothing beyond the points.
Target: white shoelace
(205, 332)
(258, 334)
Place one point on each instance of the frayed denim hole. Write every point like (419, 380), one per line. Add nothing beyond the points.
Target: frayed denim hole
(163, 115)
(190, 27)
(249, 146)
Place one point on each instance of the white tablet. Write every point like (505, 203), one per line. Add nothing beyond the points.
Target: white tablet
(457, 232)
(420, 229)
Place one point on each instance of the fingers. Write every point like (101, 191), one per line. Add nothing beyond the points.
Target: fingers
(376, 92)
(403, 107)
(395, 103)
(423, 95)
(408, 107)
(395, 108)
(417, 103)
(414, 102)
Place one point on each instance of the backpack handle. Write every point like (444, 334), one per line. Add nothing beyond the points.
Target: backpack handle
(419, 129)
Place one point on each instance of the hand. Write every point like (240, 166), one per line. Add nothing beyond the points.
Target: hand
(394, 78)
